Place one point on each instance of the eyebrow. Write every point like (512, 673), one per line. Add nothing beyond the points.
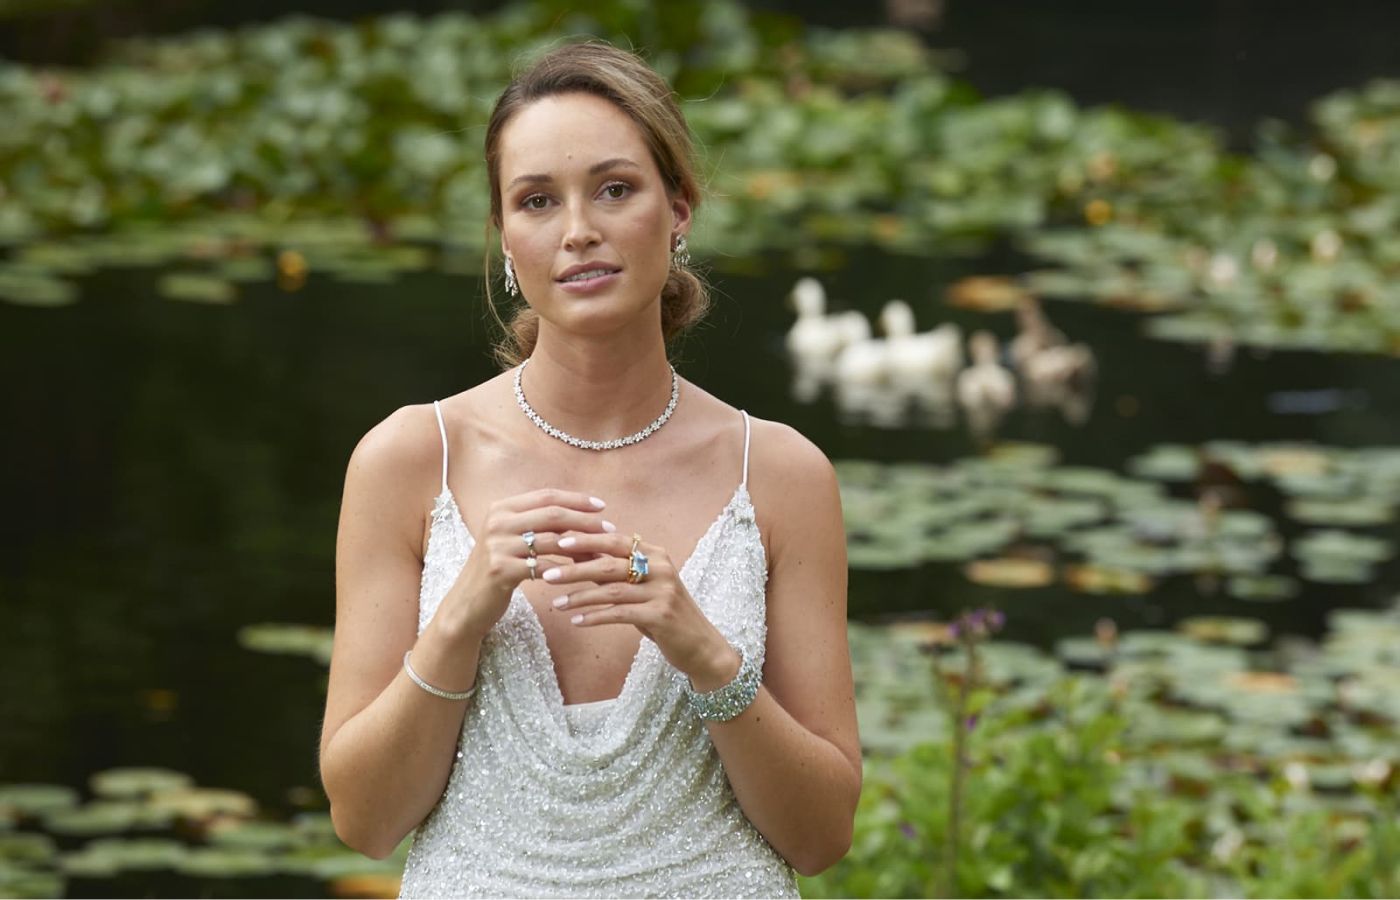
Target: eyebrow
(615, 162)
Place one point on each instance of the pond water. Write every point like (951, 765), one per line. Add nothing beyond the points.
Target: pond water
(175, 473)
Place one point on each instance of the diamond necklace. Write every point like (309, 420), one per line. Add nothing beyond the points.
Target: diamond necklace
(597, 445)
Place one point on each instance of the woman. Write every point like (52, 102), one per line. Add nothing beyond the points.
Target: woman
(604, 688)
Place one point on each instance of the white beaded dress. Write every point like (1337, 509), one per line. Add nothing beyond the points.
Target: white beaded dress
(624, 797)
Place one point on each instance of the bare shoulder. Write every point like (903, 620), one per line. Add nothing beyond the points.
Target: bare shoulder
(394, 473)
(400, 447)
(792, 482)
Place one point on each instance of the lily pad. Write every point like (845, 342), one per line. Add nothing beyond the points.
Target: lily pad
(196, 287)
(126, 783)
(1010, 572)
(217, 862)
(106, 817)
(28, 800)
(1225, 629)
(203, 803)
(27, 847)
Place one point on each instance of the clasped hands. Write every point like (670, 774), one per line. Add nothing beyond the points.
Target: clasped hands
(569, 524)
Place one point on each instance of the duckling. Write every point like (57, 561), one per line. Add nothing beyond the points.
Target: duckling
(919, 359)
(863, 364)
(1035, 333)
(853, 326)
(1060, 367)
(815, 338)
(985, 384)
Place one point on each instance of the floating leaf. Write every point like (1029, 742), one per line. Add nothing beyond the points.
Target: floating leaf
(1103, 580)
(303, 640)
(203, 803)
(196, 288)
(22, 882)
(1225, 629)
(1010, 572)
(225, 863)
(1262, 588)
(27, 847)
(36, 799)
(127, 783)
(105, 817)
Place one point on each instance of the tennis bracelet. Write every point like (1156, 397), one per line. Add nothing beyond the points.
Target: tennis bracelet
(724, 703)
(436, 692)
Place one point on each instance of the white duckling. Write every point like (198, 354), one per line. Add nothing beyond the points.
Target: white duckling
(868, 362)
(852, 325)
(863, 364)
(815, 338)
(986, 384)
(917, 359)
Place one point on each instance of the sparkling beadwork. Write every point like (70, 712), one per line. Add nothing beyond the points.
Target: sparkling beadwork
(724, 703)
(622, 798)
(612, 444)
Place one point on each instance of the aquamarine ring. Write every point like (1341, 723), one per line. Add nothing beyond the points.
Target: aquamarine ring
(638, 568)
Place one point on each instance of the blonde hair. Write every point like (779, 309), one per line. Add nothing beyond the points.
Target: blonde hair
(623, 78)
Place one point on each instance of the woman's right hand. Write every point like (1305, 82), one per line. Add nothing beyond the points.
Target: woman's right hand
(497, 563)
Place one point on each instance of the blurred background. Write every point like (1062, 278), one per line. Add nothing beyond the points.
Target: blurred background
(1093, 306)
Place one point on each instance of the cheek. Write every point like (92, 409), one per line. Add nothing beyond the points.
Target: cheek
(531, 248)
(648, 240)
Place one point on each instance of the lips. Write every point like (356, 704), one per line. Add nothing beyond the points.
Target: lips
(596, 268)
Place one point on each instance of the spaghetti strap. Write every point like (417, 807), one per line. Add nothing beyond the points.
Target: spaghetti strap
(744, 484)
(442, 429)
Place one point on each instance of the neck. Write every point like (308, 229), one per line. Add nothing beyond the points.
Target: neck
(596, 393)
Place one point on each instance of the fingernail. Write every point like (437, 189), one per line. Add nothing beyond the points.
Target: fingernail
(561, 601)
(577, 619)
(608, 526)
(567, 542)
(597, 504)
(551, 574)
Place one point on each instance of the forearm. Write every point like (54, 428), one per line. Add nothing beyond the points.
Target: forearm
(798, 789)
(387, 766)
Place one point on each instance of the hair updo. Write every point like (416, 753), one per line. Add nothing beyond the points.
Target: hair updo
(622, 77)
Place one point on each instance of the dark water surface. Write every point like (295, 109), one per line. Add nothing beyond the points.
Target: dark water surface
(173, 472)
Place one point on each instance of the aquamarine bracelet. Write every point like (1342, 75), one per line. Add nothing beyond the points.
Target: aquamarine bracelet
(724, 703)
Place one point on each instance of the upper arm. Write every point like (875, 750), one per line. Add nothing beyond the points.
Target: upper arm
(378, 568)
(808, 658)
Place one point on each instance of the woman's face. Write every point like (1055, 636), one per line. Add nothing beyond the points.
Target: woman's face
(579, 189)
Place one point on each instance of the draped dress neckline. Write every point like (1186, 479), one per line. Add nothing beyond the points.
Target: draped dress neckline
(690, 573)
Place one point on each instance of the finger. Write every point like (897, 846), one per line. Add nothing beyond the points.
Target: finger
(611, 544)
(555, 520)
(606, 568)
(603, 595)
(550, 497)
(623, 613)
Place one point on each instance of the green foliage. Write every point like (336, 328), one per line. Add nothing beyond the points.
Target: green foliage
(1054, 807)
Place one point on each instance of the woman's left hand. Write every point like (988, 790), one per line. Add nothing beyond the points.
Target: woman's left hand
(659, 606)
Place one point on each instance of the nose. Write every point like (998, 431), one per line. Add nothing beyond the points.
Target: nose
(580, 232)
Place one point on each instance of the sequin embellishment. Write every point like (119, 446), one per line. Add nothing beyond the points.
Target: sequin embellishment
(624, 798)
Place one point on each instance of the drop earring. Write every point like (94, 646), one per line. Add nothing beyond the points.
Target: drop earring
(680, 256)
(511, 287)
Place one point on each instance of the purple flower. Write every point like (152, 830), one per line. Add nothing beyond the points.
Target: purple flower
(954, 631)
(908, 830)
(996, 619)
(971, 722)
